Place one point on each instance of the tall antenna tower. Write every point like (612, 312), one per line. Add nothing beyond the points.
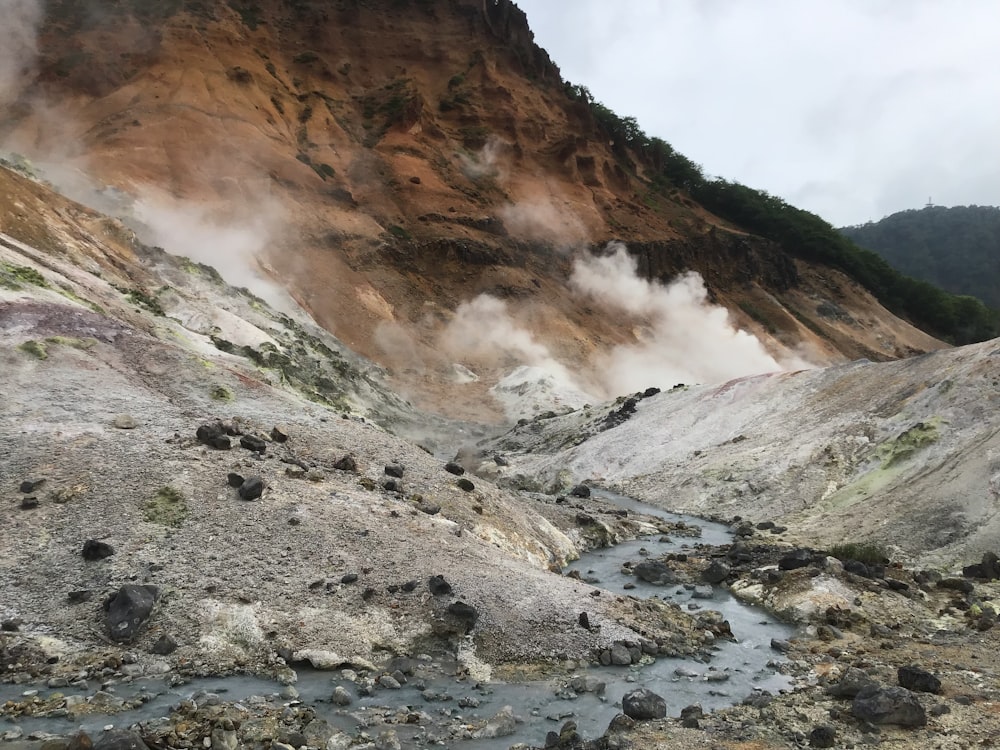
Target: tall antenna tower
(930, 204)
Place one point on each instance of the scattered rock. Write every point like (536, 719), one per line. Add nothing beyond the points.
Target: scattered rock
(80, 741)
(465, 613)
(279, 433)
(394, 470)
(702, 592)
(30, 485)
(956, 584)
(11, 625)
(580, 490)
(888, 705)
(654, 571)
(97, 550)
(584, 620)
(341, 697)
(465, 484)
(780, 645)
(235, 480)
(125, 422)
(691, 716)
(431, 509)
(349, 578)
(823, 736)
(643, 705)
(252, 488)
(438, 586)
(851, 683)
(29, 503)
(795, 559)
(988, 569)
(454, 468)
(214, 436)
(918, 680)
(716, 572)
(346, 463)
(129, 609)
(164, 646)
(503, 724)
(253, 443)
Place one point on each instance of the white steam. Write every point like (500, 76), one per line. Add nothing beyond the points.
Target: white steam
(682, 338)
(484, 331)
(19, 22)
(687, 339)
(235, 245)
(540, 219)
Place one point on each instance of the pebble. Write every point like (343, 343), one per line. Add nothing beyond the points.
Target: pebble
(125, 422)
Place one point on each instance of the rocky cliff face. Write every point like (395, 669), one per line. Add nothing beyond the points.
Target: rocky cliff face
(385, 162)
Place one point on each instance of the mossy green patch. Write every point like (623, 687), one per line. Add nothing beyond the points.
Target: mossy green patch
(166, 507)
(17, 277)
(82, 344)
(36, 349)
(221, 393)
(866, 552)
(908, 442)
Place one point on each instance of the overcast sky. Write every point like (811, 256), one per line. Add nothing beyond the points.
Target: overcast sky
(852, 109)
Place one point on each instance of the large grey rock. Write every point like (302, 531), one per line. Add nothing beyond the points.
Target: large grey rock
(852, 683)
(643, 704)
(503, 724)
(654, 571)
(716, 572)
(889, 705)
(129, 609)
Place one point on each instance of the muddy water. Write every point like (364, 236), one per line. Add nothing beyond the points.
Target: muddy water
(736, 669)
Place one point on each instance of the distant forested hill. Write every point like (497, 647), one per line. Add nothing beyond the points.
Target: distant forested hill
(957, 249)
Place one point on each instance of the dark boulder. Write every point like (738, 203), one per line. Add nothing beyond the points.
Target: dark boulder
(214, 435)
(30, 485)
(716, 572)
(465, 484)
(584, 620)
(823, 736)
(643, 704)
(96, 550)
(851, 683)
(438, 586)
(346, 463)
(253, 443)
(235, 480)
(129, 609)
(956, 584)
(465, 613)
(918, 680)
(394, 470)
(431, 509)
(164, 646)
(252, 488)
(795, 559)
(691, 716)
(581, 490)
(454, 468)
(988, 569)
(279, 434)
(654, 571)
(889, 705)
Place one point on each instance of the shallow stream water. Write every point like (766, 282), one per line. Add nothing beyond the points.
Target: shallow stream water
(746, 663)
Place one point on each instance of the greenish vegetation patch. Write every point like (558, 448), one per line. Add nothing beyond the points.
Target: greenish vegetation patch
(16, 277)
(221, 393)
(908, 442)
(167, 507)
(36, 349)
(142, 298)
(868, 553)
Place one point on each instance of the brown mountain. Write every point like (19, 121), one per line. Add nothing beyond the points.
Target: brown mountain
(386, 161)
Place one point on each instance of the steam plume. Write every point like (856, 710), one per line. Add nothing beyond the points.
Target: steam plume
(18, 31)
(688, 340)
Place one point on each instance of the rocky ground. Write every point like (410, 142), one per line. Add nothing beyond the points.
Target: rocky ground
(196, 485)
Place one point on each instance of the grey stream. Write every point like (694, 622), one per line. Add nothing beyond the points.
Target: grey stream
(540, 706)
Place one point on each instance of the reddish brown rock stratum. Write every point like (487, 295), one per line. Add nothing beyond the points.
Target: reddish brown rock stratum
(392, 160)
